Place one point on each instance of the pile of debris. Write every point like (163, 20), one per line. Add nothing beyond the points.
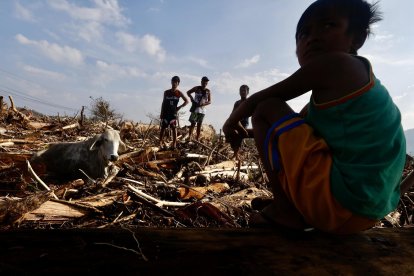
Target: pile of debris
(195, 185)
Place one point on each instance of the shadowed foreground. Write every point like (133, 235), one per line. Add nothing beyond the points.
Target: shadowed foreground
(207, 251)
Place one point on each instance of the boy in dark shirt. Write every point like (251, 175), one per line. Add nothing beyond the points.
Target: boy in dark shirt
(169, 109)
(236, 143)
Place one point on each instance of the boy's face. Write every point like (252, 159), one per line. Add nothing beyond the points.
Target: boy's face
(204, 83)
(243, 93)
(322, 33)
(174, 84)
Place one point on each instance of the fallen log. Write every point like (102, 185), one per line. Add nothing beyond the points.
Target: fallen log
(210, 251)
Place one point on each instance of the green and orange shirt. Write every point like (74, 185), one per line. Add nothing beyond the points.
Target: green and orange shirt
(364, 133)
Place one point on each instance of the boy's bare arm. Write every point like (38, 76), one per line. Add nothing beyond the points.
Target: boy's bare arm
(184, 103)
(329, 76)
(184, 99)
(208, 99)
(162, 110)
(189, 92)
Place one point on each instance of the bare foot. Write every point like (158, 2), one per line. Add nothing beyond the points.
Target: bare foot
(260, 202)
(277, 214)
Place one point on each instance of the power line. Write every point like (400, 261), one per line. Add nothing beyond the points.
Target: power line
(27, 97)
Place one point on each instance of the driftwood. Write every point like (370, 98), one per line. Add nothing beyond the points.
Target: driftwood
(239, 176)
(159, 203)
(52, 212)
(200, 192)
(32, 172)
(58, 211)
(17, 112)
(240, 200)
(113, 171)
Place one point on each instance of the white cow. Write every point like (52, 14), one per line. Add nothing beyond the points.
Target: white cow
(92, 156)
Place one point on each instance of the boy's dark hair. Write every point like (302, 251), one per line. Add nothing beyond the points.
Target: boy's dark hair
(360, 13)
(175, 78)
(244, 86)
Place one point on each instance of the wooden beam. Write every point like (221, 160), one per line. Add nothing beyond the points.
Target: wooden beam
(209, 251)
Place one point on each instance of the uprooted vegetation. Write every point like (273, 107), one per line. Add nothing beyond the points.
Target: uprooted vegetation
(195, 185)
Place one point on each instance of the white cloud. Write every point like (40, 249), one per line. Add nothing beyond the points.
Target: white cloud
(389, 61)
(105, 11)
(382, 42)
(228, 83)
(89, 21)
(90, 31)
(23, 13)
(60, 54)
(383, 37)
(152, 45)
(248, 62)
(148, 44)
(405, 103)
(200, 61)
(45, 73)
(107, 73)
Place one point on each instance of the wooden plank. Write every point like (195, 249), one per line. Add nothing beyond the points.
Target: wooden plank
(207, 251)
(52, 212)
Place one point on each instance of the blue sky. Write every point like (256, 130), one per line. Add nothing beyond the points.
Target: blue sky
(56, 54)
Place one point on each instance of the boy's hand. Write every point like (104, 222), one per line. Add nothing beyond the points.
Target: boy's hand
(229, 130)
(234, 133)
(242, 131)
(195, 103)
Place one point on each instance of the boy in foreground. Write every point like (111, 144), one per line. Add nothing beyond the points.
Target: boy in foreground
(338, 168)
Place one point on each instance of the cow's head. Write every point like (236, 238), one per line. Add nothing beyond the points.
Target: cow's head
(108, 143)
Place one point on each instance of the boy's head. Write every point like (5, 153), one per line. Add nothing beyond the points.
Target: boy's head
(204, 81)
(244, 91)
(357, 15)
(175, 81)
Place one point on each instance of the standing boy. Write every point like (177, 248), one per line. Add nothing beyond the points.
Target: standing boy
(237, 141)
(169, 109)
(202, 98)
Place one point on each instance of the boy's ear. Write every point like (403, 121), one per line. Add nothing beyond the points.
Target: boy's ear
(359, 40)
